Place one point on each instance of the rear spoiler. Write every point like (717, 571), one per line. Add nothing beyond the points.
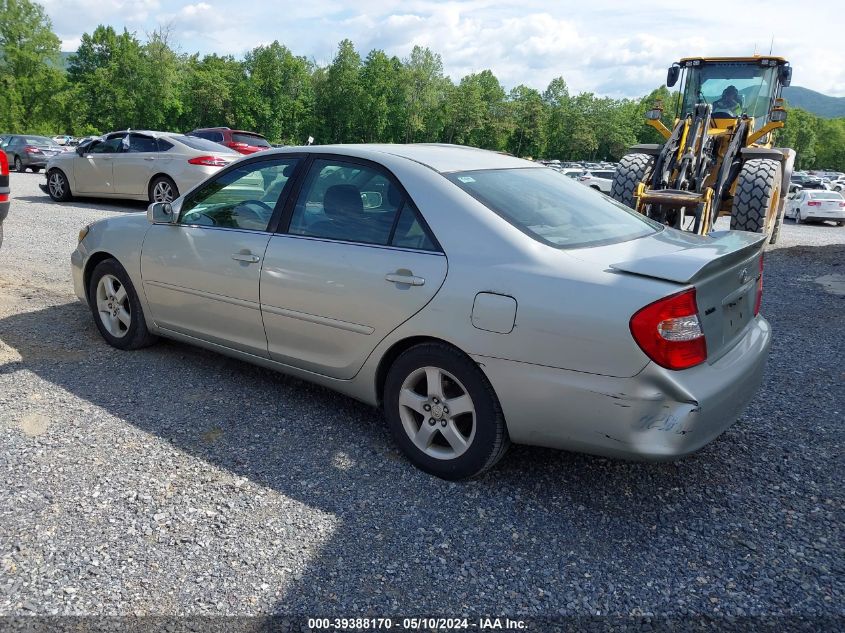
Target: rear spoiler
(685, 266)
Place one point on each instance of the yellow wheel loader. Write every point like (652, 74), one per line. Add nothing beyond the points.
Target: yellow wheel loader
(718, 159)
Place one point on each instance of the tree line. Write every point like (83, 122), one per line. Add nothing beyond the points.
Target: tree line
(116, 80)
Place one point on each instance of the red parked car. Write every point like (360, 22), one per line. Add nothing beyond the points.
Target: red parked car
(238, 140)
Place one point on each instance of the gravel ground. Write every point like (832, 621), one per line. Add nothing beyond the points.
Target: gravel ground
(177, 481)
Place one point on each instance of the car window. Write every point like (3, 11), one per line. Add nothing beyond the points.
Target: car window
(346, 201)
(202, 144)
(163, 145)
(410, 232)
(111, 146)
(242, 198)
(250, 139)
(138, 143)
(553, 210)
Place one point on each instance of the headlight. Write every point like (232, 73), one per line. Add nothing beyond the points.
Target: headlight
(83, 232)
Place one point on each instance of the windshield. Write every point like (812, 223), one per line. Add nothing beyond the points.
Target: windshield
(553, 209)
(732, 88)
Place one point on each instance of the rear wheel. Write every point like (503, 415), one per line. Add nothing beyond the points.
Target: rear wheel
(757, 196)
(163, 189)
(35, 170)
(443, 412)
(633, 169)
(19, 165)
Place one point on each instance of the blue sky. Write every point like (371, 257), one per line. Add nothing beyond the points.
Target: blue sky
(619, 49)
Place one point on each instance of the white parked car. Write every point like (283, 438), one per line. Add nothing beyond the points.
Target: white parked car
(137, 165)
(599, 179)
(815, 205)
(838, 184)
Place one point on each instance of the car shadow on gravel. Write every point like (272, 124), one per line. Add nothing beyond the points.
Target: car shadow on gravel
(545, 532)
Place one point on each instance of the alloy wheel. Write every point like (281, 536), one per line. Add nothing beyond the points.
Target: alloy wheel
(437, 413)
(56, 183)
(162, 192)
(113, 306)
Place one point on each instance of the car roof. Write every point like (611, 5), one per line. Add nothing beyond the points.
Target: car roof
(437, 156)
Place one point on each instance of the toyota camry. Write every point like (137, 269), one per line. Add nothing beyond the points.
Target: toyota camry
(477, 298)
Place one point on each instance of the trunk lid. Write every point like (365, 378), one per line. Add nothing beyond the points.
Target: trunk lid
(723, 266)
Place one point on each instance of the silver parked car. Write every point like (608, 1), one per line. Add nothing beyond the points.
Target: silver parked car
(478, 298)
(137, 165)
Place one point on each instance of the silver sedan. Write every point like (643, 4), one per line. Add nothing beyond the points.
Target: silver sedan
(479, 299)
(135, 165)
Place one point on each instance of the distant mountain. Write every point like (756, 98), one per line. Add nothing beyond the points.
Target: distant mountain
(815, 102)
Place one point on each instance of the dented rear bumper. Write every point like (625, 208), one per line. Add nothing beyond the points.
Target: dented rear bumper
(657, 414)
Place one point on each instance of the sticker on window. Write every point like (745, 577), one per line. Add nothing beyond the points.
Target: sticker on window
(466, 178)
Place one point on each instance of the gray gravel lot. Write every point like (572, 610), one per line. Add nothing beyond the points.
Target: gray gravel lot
(176, 481)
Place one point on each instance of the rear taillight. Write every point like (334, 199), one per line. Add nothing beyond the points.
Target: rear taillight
(814, 203)
(758, 301)
(29, 149)
(4, 177)
(842, 204)
(209, 161)
(236, 145)
(669, 331)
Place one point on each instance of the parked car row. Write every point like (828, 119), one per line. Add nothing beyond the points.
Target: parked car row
(813, 205)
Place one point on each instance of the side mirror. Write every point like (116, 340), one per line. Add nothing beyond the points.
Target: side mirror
(161, 213)
(371, 199)
(785, 75)
(672, 75)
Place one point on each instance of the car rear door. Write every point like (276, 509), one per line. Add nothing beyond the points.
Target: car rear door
(356, 261)
(201, 274)
(134, 167)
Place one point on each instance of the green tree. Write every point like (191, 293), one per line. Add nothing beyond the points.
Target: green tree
(528, 137)
(339, 96)
(29, 73)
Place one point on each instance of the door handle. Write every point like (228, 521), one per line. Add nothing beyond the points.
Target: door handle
(249, 258)
(149, 157)
(408, 279)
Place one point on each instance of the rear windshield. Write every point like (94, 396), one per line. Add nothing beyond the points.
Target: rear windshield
(40, 141)
(201, 144)
(553, 210)
(824, 195)
(250, 139)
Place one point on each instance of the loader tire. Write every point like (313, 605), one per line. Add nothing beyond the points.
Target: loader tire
(757, 195)
(633, 169)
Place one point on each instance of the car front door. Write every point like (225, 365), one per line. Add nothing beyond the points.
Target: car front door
(93, 171)
(356, 261)
(201, 273)
(134, 167)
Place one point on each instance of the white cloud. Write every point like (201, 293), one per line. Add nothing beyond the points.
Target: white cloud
(600, 45)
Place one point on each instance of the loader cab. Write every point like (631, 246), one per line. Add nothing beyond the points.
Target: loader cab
(758, 81)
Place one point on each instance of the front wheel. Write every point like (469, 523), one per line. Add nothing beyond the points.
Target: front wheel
(58, 186)
(163, 189)
(633, 169)
(116, 308)
(757, 195)
(443, 412)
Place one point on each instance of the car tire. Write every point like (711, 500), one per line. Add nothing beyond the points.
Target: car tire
(438, 441)
(159, 186)
(797, 216)
(58, 186)
(35, 170)
(110, 295)
(19, 165)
